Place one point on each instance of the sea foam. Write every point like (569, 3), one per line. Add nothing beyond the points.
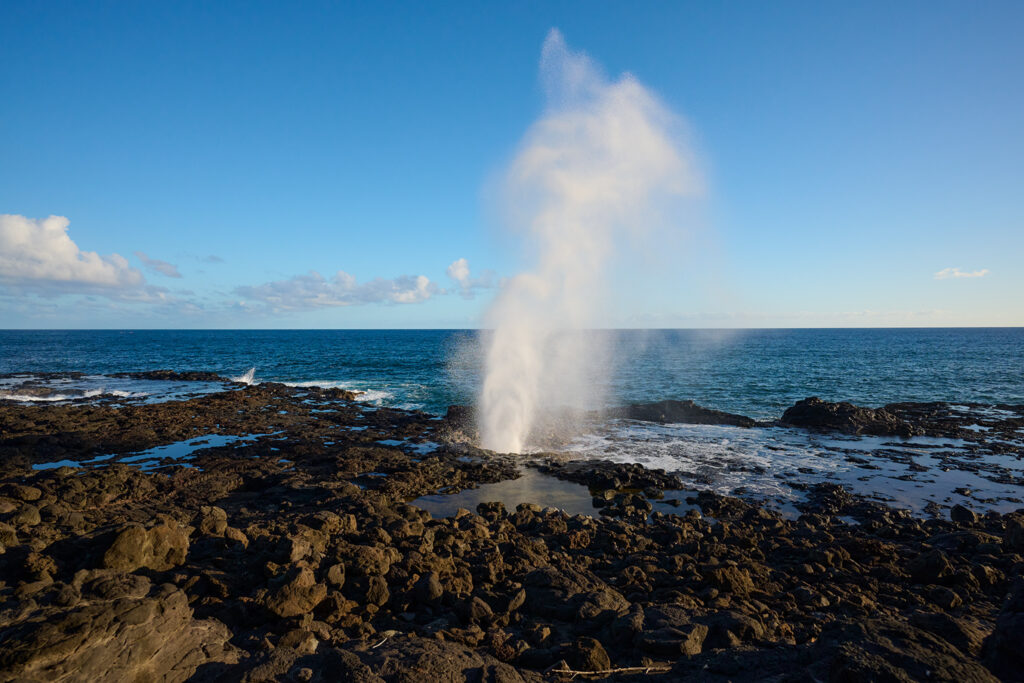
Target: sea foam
(247, 377)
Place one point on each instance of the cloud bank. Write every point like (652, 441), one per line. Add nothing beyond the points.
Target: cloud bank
(311, 291)
(37, 253)
(39, 261)
(158, 266)
(947, 273)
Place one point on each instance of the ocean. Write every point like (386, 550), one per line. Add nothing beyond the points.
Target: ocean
(758, 373)
(753, 372)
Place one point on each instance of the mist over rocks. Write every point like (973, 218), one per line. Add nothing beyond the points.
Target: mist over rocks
(897, 419)
(552, 425)
(595, 172)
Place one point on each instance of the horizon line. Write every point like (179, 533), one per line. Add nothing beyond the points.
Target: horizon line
(479, 329)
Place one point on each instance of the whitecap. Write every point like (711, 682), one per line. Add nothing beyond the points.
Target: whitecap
(375, 396)
(247, 377)
(25, 398)
(320, 384)
(49, 398)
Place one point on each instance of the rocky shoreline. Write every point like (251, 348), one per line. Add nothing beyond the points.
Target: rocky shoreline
(272, 533)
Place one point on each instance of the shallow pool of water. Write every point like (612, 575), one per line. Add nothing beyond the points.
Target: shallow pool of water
(531, 487)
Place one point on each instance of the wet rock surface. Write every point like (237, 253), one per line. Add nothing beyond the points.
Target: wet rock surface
(299, 555)
(846, 417)
(972, 421)
(680, 411)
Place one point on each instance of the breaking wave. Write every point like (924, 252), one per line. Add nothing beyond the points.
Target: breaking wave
(13, 395)
(247, 377)
(376, 396)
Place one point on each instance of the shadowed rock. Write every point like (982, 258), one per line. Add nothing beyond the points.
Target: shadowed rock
(815, 413)
(686, 412)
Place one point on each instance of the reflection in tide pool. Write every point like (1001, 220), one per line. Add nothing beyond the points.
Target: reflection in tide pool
(537, 488)
(154, 458)
(530, 487)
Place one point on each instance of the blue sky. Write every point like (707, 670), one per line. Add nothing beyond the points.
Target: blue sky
(863, 162)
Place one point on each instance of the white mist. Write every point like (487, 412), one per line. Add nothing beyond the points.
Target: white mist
(597, 167)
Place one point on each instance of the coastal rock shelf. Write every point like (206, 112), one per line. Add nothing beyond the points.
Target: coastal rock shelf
(329, 544)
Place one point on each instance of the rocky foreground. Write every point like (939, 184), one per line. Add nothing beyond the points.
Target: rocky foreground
(299, 555)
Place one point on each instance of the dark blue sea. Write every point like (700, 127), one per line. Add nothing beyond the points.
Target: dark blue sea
(754, 372)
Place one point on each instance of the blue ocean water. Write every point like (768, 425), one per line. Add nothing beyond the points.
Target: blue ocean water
(753, 372)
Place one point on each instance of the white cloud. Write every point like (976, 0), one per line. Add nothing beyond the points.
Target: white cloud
(947, 273)
(459, 271)
(162, 267)
(304, 292)
(39, 254)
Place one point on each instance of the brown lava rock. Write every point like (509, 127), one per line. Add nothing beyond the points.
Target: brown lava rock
(299, 554)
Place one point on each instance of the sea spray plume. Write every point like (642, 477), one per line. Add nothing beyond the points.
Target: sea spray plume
(596, 168)
(247, 377)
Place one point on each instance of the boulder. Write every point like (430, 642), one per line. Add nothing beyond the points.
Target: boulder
(22, 492)
(26, 516)
(686, 412)
(1002, 650)
(161, 547)
(213, 521)
(672, 641)
(8, 535)
(730, 580)
(930, 567)
(845, 417)
(587, 654)
(1014, 538)
(298, 593)
(475, 611)
(367, 560)
(131, 638)
(890, 650)
(377, 592)
(963, 515)
(965, 633)
(429, 590)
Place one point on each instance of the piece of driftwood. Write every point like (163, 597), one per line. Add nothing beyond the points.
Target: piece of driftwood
(606, 672)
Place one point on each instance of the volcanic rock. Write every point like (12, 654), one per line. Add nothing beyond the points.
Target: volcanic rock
(845, 417)
(131, 638)
(587, 654)
(686, 412)
(160, 547)
(298, 593)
